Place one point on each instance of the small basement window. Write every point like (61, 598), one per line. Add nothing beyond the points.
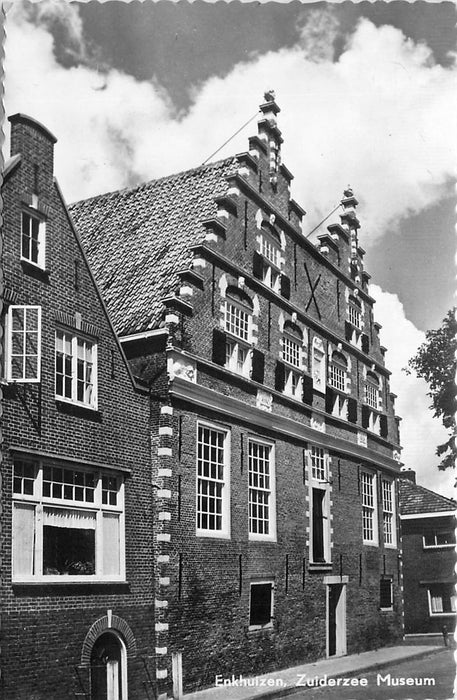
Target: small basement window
(261, 605)
(386, 594)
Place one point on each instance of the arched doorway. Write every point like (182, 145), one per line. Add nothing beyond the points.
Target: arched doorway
(108, 668)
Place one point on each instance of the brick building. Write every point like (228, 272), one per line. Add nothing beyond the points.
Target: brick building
(428, 548)
(276, 516)
(77, 574)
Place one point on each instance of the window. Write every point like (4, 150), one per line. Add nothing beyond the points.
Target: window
(369, 515)
(270, 251)
(261, 605)
(388, 513)
(64, 525)
(76, 373)
(212, 482)
(262, 507)
(439, 538)
(32, 239)
(320, 506)
(237, 321)
(292, 355)
(385, 594)
(442, 599)
(336, 404)
(372, 391)
(354, 324)
(338, 371)
(23, 349)
(355, 315)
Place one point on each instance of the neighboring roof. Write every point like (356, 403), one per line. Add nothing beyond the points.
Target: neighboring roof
(417, 499)
(137, 239)
(10, 164)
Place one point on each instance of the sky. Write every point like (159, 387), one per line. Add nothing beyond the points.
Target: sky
(368, 98)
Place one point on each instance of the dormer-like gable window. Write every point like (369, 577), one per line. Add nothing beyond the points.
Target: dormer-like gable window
(338, 371)
(293, 358)
(33, 238)
(373, 404)
(270, 249)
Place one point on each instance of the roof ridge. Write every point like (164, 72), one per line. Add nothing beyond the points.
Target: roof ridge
(405, 479)
(144, 185)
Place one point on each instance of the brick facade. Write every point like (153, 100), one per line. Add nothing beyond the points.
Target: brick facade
(245, 279)
(51, 621)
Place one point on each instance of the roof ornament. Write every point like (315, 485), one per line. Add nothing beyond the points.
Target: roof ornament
(269, 96)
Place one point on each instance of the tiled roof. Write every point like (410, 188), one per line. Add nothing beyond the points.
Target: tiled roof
(136, 239)
(417, 499)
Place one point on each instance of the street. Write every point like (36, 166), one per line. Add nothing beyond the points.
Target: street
(433, 678)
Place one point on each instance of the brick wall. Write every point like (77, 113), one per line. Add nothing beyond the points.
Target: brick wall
(44, 625)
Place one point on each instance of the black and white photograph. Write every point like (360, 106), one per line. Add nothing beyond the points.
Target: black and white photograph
(228, 350)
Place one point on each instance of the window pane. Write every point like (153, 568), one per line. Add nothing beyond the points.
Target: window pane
(111, 544)
(23, 539)
(68, 542)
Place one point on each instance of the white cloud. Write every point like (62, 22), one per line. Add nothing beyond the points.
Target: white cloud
(379, 118)
(420, 432)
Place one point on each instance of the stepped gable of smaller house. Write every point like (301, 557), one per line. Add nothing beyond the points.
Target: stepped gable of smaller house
(137, 239)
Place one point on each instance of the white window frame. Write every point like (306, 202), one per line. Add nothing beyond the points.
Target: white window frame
(270, 491)
(433, 605)
(41, 240)
(271, 254)
(224, 531)
(337, 377)
(318, 473)
(388, 513)
(263, 582)
(450, 545)
(239, 343)
(9, 345)
(368, 507)
(96, 509)
(293, 360)
(74, 338)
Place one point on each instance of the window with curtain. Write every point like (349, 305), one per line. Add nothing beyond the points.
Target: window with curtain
(66, 522)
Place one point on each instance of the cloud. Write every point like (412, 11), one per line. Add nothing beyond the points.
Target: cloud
(379, 118)
(420, 432)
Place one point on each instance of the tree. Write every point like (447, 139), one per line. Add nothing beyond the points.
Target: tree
(435, 361)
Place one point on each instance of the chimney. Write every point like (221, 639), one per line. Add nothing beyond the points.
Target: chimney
(408, 474)
(35, 143)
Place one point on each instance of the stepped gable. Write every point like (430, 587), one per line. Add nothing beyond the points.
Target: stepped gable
(417, 499)
(136, 239)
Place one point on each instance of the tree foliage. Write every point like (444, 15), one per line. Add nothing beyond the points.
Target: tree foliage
(435, 361)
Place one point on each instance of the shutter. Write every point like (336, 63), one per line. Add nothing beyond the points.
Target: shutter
(258, 366)
(329, 398)
(347, 331)
(352, 410)
(219, 350)
(285, 287)
(280, 376)
(318, 525)
(383, 426)
(308, 389)
(365, 416)
(257, 265)
(365, 343)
